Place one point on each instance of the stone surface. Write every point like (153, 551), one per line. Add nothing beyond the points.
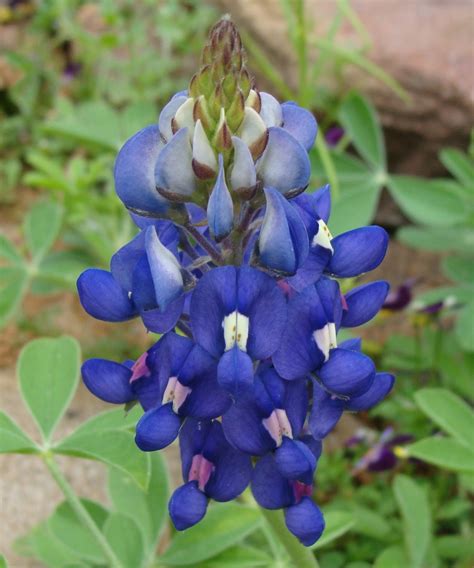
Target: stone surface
(426, 45)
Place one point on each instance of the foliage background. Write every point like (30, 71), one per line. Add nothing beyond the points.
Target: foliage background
(76, 79)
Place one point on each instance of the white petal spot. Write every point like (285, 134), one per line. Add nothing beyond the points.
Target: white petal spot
(236, 331)
(323, 237)
(184, 116)
(278, 425)
(325, 339)
(202, 150)
(176, 393)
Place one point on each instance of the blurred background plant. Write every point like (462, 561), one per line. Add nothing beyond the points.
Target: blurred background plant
(76, 80)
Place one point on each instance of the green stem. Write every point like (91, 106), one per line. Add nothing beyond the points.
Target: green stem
(80, 510)
(301, 556)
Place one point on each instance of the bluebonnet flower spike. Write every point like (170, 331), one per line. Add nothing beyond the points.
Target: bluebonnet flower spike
(237, 270)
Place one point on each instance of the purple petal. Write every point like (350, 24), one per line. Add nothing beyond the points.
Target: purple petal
(347, 373)
(187, 506)
(300, 123)
(382, 385)
(305, 521)
(358, 251)
(157, 428)
(134, 172)
(103, 298)
(364, 302)
(108, 380)
(285, 164)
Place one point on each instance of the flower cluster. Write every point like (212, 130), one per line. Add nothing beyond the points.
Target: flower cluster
(236, 268)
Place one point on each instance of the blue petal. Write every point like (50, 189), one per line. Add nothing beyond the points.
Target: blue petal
(379, 389)
(232, 471)
(270, 489)
(269, 390)
(315, 446)
(364, 302)
(165, 270)
(358, 251)
(134, 172)
(187, 506)
(296, 404)
(347, 373)
(283, 242)
(330, 296)
(312, 269)
(262, 301)
(108, 380)
(173, 171)
(235, 372)
(157, 428)
(285, 164)
(300, 123)
(192, 438)
(220, 207)
(167, 114)
(305, 521)
(298, 353)
(325, 412)
(295, 460)
(322, 201)
(103, 298)
(125, 260)
(148, 391)
(353, 344)
(214, 297)
(161, 322)
(244, 429)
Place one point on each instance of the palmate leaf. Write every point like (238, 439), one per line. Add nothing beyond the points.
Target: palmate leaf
(12, 438)
(48, 370)
(444, 452)
(41, 228)
(222, 527)
(338, 523)
(414, 507)
(449, 412)
(125, 539)
(459, 164)
(112, 447)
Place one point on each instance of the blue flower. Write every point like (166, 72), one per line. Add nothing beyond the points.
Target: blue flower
(236, 267)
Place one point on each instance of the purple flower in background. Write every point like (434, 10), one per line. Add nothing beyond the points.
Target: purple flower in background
(334, 135)
(237, 269)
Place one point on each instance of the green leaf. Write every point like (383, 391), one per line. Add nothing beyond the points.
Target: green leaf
(149, 509)
(12, 438)
(449, 411)
(370, 523)
(453, 509)
(465, 327)
(125, 539)
(59, 270)
(93, 123)
(66, 527)
(116, 419)
(9, 251)
(443, 452)
(337, 524)
(13, 285)
(3, 561)
(45, 547)
(454, 547)
(392, 557)
(238, 557)
(459, 164)
(112, 447)
(222, 527)
(413, 504)
(49, 372)
(459, 269)
(427, 202)
(41, 228)
(438, 239)
(359, 119)
(356, 207)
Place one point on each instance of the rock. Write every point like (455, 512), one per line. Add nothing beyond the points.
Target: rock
(424, 44)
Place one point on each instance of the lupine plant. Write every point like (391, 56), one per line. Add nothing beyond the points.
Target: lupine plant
(236, 269)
